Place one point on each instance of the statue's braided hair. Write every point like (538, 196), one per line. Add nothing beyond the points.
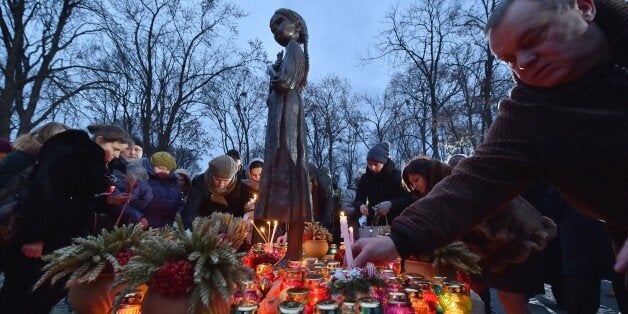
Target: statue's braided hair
(299, 22)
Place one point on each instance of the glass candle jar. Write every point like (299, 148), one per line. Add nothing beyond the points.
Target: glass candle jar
(412, 278)
(327, 307)
(301, 295)
(418, 304)
(313, 280)
(332, 266)
(348, 307)
(454, 299)
(437, 284)
(428, 294)
(290, 307)
(333, 249)
(368, 305)
(295, 264)
(397, 303)
(393, 284)
(293, 278)
(244, 307)
(386, 273)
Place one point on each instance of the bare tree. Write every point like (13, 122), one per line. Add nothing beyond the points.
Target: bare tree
(324, 102)
(239, 110)
(492, 78)
(166, 55)
(420, 37)
(42, 60)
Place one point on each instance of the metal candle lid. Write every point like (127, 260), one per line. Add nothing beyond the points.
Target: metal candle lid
(298, 291)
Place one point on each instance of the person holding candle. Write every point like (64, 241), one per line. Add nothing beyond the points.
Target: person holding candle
(564, 121)
(381, 185)
(218, 189)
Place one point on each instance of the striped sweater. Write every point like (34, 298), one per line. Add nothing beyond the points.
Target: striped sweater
(574, 135)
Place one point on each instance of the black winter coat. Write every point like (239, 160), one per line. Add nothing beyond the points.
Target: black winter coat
(63, 194)
(199, 201)
(383, 186)
(13, 164)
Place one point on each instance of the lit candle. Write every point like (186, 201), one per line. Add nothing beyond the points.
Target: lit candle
(263, 233)
(260, 232)
(344, 231)
(272, 238)
(351, 234)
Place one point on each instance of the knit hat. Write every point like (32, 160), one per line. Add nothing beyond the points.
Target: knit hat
(163, 159)
(137, 141)
(223, 167)
(380, 153)
(183, 172)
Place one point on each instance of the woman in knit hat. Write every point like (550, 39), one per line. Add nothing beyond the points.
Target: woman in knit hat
(156, 198)
(381, 186)
(216, 190)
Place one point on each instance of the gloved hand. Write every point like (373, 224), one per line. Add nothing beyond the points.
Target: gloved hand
(383, 208)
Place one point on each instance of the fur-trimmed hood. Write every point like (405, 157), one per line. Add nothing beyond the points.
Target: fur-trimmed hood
(28, 144)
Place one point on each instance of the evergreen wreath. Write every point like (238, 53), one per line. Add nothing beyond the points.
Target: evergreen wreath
(202, 262)
(87, 257)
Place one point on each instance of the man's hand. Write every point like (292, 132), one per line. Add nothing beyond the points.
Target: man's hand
(378, 250)
(621, 265)
(33, 250)
(383, 208)
(118, 199)
(364, 210)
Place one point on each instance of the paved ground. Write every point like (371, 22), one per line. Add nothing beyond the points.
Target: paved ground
(539, 304)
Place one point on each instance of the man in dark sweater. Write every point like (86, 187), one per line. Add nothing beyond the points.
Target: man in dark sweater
(566, 121)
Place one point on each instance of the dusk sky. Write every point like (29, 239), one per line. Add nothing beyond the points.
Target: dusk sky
(340, 32)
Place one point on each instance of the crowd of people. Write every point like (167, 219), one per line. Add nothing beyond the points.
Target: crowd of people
(544, 192)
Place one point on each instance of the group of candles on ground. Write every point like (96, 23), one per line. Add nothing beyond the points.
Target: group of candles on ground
(315, 286)
(323, 286)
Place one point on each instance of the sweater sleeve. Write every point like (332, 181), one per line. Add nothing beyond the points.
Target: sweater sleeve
(360, 197)
(499, 170)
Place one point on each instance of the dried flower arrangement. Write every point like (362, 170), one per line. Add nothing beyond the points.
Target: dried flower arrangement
(455, 254)
(314, 231)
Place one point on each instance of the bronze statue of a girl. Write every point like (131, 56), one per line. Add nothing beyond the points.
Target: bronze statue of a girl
(284, 188)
